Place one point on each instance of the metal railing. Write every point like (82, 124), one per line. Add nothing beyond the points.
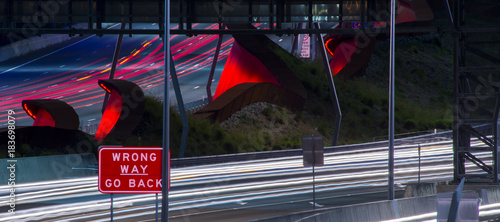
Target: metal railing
(194, 106)
(192, 161)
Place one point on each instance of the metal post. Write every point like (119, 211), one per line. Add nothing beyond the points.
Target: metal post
(314, 176)
(333, 91)
(91, 5)
(457, 163)
(166, 114)
(341, 9)
(111, 207)
(214, 64)
(362, 25)
(271, 21)
(156, 203)
(113, 66)
(449, 11)
(310, 14)
(391, 103)
(182, 109)
(419, 162)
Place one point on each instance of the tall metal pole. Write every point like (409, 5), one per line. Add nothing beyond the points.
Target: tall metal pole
(182, 109)
(314, 176)
(333, 91)
(166, 114)
(214, 64)
(391, 102)
(113, 66)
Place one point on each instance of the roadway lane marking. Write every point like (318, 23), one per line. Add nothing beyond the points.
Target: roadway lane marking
(241, 202)
(8, 70)
(432, 147)
(181, 178)
(62, 66)
(26, 80)
(80, 79)
(5, 86)
(45, 73)
(196, 87)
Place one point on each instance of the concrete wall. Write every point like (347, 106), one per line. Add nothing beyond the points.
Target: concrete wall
(421, 190)
(32, 169)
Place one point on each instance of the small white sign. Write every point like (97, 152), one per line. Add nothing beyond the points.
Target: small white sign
(305, 51)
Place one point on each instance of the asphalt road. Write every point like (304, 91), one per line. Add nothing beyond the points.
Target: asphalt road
(240, 190)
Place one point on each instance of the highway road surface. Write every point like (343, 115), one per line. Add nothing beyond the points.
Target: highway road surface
(240, 191)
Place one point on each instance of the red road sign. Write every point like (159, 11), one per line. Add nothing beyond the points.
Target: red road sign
(130, 169)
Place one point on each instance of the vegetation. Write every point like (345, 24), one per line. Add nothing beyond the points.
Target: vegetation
(424, 91)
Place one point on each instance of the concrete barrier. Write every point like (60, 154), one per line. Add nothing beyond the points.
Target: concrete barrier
(25, 46)
(375, 211)
(425, 201)
(490, 195)
(421, 190)
(32, 169)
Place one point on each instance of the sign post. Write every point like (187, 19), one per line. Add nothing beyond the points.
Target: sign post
(111, 207)
(391, 101)
(313, 152)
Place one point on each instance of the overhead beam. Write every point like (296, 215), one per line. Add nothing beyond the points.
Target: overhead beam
(190, 32)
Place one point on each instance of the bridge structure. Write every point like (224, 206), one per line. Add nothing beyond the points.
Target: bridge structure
(473, 26)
